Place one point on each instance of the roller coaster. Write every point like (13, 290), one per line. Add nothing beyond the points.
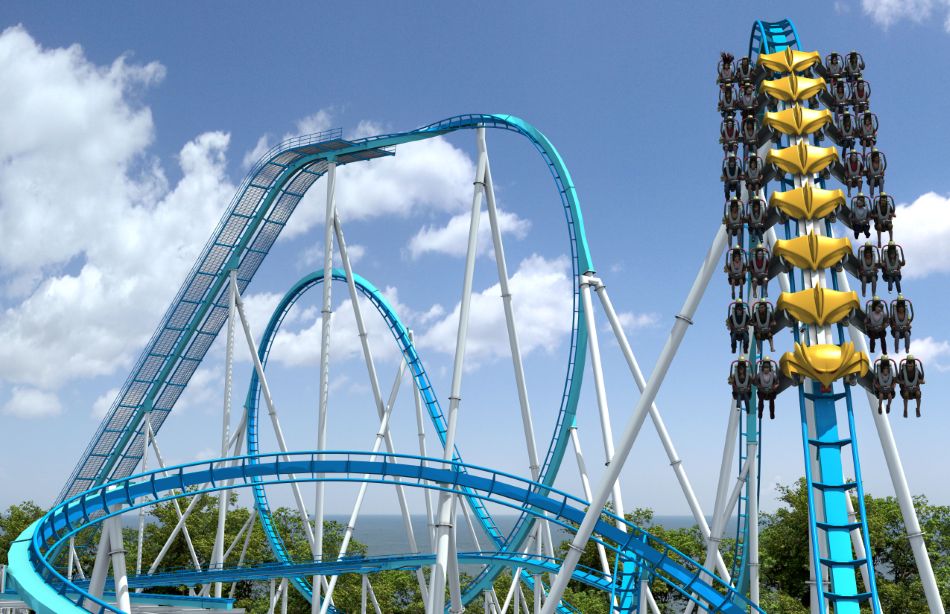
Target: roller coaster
(788, 103)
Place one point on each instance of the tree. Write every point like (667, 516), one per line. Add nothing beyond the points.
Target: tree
(14, 521)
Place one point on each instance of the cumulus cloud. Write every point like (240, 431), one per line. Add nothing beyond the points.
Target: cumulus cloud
(542, 299)
(634, 321)
(423, 177)
(924, 233)
(452, 239)
(32, 403)
(933, 353)
(888, 12)
(96, 240)
(301, 346)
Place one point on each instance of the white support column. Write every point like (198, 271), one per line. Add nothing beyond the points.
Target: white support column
(601, 391)
(372, 597)
(455, 588)
(117, 554)
(284, 589)
(100, 568)
(141, 530)
(326, 319)
(675, 461)
(217, 553)
(632, 429)
(275, 422)
(421, 431)
(446, 500)
(753, 511)
(585, 484)
(902, 491)
(363, 594)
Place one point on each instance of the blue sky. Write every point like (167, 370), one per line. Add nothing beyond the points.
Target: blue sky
(122, 140)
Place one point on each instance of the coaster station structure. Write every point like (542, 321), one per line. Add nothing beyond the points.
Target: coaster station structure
(123, 471)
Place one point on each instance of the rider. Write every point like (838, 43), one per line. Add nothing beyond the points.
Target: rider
(883, 215)
(868, 265)
(883, 382)
(860, 214)
(759, 268)
(834, 66)
(731, 174)
(737, 322)
(763, 324)
(757, 219)
(748, 99)
(860, 95)
(853, 171)
(755, 173)
(741, 381)
(876, 323)
(901, 321)
(910, 375)
(726, 69)
(767, 384)
(867, 129)
(876, 165)
(734, 217)
(735, 269)
(727, 99)
(892, 259)
(729, 134)
(853, 65)
(845, 130)
(746, 70)
(750, 132)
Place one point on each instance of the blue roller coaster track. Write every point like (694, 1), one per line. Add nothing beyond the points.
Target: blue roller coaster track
(830, 524)
(50, 592)
(102, 484)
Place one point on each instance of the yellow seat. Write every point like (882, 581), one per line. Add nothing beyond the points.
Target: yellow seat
(807, 202)
(825, 363)
(819, 306)
(812, 252)
(793, 88)
(789, 60)
(798, 121)
(802, 159)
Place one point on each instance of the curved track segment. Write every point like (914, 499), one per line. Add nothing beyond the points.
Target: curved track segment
(830, 523)
(420, 379)
(255, 218)
(48, 591)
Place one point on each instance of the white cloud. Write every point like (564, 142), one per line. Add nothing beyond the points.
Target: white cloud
(933, 354)
(32, 403)
(103, 403)
(312, 257)
(922, 228)
(96, 241)
(889, 12)
(452, 239)
(633, 321)
(426, 176)
(542, 301)
(302, 346)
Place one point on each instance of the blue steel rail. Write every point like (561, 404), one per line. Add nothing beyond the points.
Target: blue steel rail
(420, 379)
(49, 592)
(256, 216)
(534, 563)
(836, 526)
(253, 221)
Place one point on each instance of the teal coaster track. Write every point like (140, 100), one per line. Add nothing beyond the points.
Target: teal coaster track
(50, 592)
(102, 485)
(832, 530)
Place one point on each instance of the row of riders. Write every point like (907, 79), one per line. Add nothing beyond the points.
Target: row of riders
(848, 96)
